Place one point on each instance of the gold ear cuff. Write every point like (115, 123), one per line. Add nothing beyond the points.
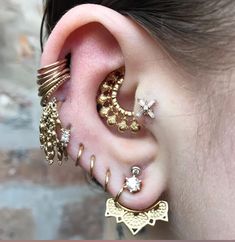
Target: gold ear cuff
(109, 107)
(53, 137)
(51, 77)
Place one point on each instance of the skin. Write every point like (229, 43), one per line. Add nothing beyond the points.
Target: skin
(186, 153)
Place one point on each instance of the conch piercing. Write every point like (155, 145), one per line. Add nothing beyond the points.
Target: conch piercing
(135, 220)
(49, 139)
(145, 108)
(109, 107)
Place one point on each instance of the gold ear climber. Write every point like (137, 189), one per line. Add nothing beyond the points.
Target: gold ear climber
(109, 107)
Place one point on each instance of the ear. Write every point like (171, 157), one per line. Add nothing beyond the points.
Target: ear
(101, 40)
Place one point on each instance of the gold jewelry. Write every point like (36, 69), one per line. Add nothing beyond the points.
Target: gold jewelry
(109, 107)
(135, 220)
(92, 164)
(50, 142)
(51, 77)
(107, 178)
(80, 152)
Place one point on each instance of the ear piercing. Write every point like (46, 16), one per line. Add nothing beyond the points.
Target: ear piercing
(48, 128)
(92, 164)
(107, 177)
(51, 77)
(145, 108)
(135, 220)
(80, 152)
(109, 107)
(54, 139)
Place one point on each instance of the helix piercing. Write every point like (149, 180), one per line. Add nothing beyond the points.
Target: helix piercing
(79, 155)
(51, 77)
(107, 178)
(92, 164)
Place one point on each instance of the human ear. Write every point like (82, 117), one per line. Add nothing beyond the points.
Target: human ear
(100, 41)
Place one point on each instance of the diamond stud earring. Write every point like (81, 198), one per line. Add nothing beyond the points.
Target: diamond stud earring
(145, 108)
(133, 184)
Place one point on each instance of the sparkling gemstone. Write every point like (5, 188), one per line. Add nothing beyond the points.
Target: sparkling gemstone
(65, 136)
(133, 184)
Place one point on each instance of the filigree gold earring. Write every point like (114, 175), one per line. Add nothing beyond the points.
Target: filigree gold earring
(135, 220)
(109, 107)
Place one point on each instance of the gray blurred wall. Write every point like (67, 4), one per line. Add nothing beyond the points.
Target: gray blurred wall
(36, 201)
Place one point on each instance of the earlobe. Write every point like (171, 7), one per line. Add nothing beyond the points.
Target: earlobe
(100, 43)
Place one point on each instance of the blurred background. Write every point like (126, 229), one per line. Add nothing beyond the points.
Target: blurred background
(37, 201)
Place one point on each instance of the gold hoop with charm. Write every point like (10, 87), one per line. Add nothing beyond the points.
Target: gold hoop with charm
(135, 220)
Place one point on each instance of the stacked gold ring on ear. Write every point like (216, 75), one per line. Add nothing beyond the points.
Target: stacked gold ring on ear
(51, 77)
(54, 138)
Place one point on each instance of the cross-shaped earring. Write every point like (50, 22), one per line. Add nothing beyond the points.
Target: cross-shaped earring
(145, 108)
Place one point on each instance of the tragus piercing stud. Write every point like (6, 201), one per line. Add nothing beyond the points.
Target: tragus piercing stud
(145, 108)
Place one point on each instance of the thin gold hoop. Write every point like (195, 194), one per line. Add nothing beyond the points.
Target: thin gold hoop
(80, 152)
(92, 164)
(119, 194)
(107, 178)
(51, 77)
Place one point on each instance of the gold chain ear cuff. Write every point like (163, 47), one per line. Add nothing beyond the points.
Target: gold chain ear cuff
(109, 107)
(52, 143)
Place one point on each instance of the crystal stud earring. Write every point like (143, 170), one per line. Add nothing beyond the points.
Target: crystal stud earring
(133, 184)
(145, 108)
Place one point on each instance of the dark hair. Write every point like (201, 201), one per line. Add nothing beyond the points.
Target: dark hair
(198, 32)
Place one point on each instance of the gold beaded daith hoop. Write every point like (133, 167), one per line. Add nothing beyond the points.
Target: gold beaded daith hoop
(109, 107)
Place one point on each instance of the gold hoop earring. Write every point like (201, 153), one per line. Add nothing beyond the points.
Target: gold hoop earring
(135, 220)
(109, 107)
(80, 152)
(107, 178)
(92, 164)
